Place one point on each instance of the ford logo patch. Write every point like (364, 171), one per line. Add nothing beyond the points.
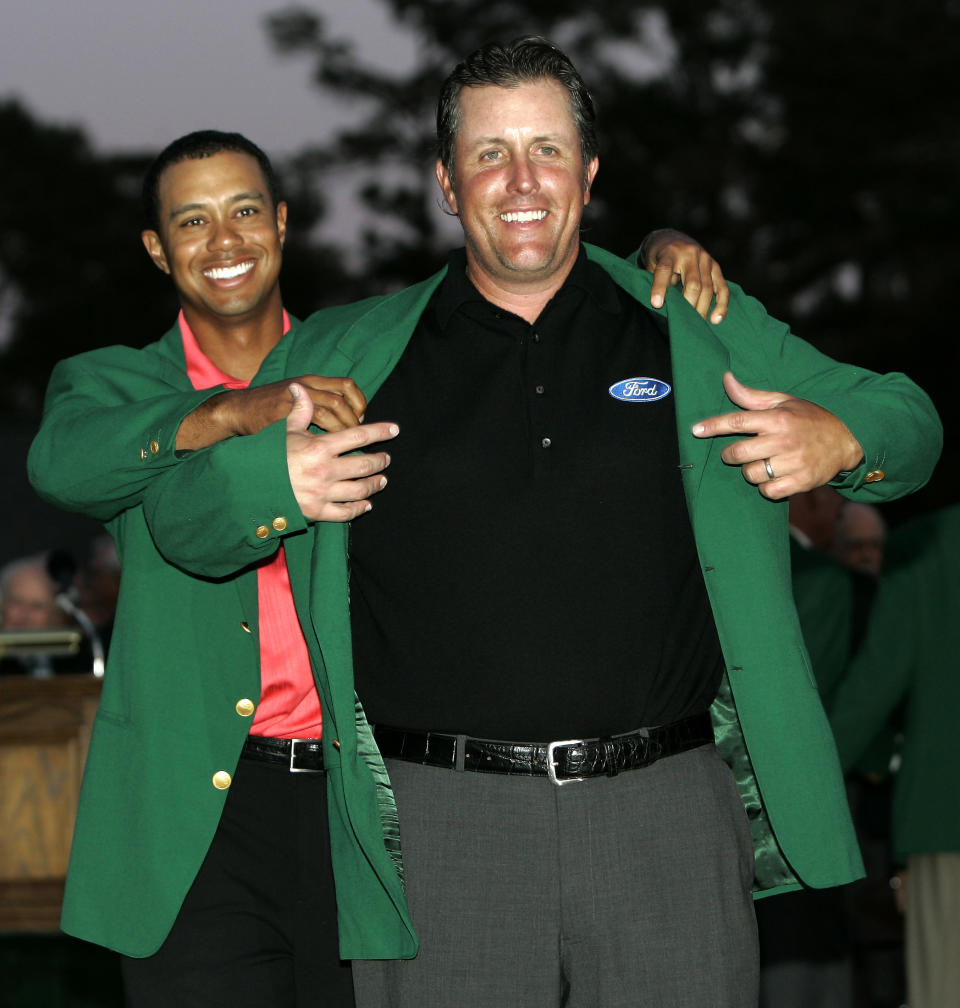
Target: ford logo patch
(640, 390)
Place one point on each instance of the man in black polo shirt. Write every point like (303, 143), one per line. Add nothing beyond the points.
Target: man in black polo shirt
(531, 576)
(508, 591)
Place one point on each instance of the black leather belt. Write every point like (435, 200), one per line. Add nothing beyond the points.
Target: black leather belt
(562, 762)
(297, 755)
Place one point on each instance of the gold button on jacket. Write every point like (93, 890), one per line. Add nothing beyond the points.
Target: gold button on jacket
(874, 476)
(262, 531)
(245, 707)
(222, 780)
(280, 523)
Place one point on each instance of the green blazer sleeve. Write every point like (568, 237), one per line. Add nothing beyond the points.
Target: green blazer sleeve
(110, 425)
(893, 418)
(205, 514)
(225, 507)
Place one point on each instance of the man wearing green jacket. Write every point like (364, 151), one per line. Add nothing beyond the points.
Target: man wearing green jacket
(907, 657)
(583, 550)
(203, 818)
(201, 844)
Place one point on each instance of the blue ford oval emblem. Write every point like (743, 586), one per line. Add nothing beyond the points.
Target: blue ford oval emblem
(640, 390)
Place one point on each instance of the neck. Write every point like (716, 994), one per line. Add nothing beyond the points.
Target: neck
(238, 346)
(526, 298)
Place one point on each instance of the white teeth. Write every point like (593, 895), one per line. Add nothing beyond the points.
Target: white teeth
(228, 272)
(523, 217)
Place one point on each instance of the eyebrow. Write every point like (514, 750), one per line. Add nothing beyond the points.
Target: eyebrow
(551, 138)
(481, 140)
(239, 198)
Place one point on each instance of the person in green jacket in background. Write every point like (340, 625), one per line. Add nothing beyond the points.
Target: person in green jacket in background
(202, 845)
(907, 658)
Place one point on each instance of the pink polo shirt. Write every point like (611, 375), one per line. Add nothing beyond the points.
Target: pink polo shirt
(289, 706)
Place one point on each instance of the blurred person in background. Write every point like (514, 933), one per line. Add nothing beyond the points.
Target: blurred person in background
(28, 596)
(98, 585)
(908, 657)
(29, 602)
(860, 537)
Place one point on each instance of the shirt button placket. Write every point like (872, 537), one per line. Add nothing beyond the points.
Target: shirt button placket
(539, 390)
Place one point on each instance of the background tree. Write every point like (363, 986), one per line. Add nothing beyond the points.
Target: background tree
(74, 274)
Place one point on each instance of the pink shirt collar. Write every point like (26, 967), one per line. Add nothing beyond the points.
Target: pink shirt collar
(201, 371)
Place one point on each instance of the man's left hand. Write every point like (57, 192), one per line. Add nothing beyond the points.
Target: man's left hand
(801, 444)
(675, 258)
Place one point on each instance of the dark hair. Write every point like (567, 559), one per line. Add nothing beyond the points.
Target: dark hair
(523, 61)
(201, 144)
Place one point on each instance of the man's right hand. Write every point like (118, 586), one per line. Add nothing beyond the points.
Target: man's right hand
(338, 404)
(330, 485)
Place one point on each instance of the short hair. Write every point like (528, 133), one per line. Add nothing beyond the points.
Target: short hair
(525, 60)
(200, 144)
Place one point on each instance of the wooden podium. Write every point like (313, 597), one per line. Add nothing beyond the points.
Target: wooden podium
(44, 734)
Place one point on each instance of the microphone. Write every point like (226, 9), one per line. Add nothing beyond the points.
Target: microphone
(62, 569)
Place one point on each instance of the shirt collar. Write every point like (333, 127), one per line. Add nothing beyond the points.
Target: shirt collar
(457, 289)
(201, 371)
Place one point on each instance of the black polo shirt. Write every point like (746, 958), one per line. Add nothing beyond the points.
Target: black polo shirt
(529, 573)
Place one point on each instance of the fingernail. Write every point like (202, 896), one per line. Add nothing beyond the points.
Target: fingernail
(699, 428)
(657, 301)
(394, 430)
(387, 455)
(383, 482)
(716, 317)
(294, 391)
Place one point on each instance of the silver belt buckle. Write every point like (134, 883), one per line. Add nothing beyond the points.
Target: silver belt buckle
(293, 750)
(552, 766)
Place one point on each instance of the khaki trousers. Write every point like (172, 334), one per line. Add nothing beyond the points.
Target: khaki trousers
(933, 930)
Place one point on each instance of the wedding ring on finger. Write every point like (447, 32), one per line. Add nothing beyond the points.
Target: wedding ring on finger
(769, 468)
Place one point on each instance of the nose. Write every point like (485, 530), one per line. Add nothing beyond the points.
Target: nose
(524, 177)
(223, 235)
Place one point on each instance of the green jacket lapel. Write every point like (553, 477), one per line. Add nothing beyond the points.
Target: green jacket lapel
(172, 366)
(372, 343)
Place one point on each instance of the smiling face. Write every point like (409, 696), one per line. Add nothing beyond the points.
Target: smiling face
(519, 186)
(220, 238)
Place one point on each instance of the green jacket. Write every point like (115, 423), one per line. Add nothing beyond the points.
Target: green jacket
(185, 651)
(187, 531)
(910, 653)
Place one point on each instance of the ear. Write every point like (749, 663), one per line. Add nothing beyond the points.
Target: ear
(591, 173)
(282, 222)
(446, 186)
(151, 242)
